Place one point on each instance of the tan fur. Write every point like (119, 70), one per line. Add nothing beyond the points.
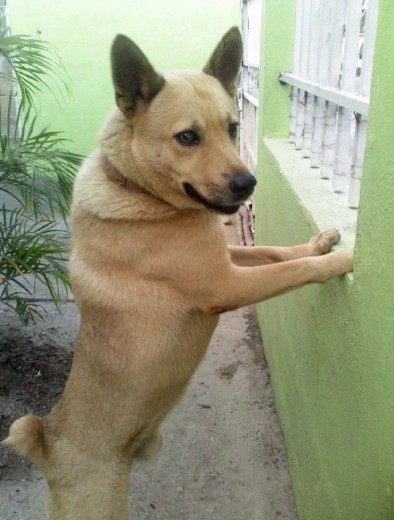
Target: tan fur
(150, 272)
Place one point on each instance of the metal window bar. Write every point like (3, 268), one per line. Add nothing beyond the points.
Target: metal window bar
(248, 106)
(331, 78)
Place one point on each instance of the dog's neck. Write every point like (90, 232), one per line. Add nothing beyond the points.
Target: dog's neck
(114, 175)
(145, 206)
(162, 208)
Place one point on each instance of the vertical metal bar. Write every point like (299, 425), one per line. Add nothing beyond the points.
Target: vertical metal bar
(305, 35)
(368, 47)
(296, 70)
(330, 116)
(293, 113)
(371, 21)
(325, 21)
(346, 118)
(357, 162)
(313, 56)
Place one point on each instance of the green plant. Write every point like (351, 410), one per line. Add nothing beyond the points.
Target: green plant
(36, 176)
(34, 65)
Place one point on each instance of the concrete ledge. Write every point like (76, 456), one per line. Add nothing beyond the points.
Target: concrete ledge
(327, 208)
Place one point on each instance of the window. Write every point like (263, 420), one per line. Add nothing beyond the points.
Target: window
(331, 78)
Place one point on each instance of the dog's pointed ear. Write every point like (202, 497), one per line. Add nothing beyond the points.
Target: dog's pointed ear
(133, 76)
(226, 60)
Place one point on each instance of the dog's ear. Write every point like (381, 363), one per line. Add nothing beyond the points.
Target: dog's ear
(226, 60)
(133, 76)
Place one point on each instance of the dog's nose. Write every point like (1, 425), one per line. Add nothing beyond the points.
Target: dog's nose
(243, 184)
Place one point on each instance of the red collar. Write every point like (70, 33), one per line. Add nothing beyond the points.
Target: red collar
(114, 175)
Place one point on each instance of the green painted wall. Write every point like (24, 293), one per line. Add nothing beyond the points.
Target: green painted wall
(331, 348)
(173, 34)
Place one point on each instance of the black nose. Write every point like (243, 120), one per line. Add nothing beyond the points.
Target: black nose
(243, 184)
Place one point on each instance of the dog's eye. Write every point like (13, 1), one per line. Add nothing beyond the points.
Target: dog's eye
(233, 130)
(187, 138)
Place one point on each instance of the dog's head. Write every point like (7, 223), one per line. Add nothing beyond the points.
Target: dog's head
(184, 126)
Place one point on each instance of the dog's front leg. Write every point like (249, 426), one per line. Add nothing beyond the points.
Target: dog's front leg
(237, 286)
(262, 255)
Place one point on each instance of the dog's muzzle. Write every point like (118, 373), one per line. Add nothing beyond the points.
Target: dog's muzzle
(240, 187)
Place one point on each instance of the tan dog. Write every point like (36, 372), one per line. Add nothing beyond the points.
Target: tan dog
(151, 271)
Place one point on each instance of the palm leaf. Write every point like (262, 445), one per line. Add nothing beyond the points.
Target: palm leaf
(37, 169)
(31, 251)
(34, 64)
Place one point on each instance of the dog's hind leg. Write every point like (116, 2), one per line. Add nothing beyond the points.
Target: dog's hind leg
(100, 494)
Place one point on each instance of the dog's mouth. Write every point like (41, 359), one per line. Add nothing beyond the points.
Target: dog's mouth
(217, 208)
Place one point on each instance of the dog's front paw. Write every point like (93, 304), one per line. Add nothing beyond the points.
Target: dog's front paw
(335, 264)
(344, 259)
(324, 241)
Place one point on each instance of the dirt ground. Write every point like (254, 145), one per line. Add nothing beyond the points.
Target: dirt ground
(223, 456)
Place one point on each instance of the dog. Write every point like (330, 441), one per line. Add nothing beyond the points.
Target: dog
(151, 273)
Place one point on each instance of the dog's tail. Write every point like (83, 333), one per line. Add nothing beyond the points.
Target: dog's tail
(27, 438)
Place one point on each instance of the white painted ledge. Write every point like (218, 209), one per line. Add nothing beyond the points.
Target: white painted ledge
(327, 208)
